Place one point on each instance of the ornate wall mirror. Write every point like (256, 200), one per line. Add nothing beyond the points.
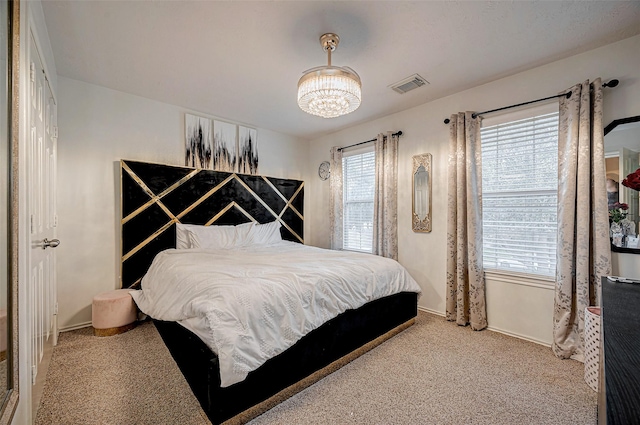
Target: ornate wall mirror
(9, 60)
(421, 195)
(622, 157)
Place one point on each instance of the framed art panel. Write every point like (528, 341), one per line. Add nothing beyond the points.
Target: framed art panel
(225, 154)
(198, 143)
(247, 151)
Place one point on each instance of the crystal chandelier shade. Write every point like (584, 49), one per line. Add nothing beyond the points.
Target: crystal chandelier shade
(329, 91)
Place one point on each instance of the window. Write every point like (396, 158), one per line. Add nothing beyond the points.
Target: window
(519, 195)
(358, 172)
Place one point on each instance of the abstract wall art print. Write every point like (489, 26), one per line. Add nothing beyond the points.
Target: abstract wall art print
(247, 151)
(198, 142)
(225, 146)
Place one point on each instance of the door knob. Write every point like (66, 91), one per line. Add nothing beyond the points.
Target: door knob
(50, 243)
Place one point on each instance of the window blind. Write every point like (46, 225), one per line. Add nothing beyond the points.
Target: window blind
(519, 195)
(358, 189)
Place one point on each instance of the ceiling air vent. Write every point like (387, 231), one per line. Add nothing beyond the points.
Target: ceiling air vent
(409, 84)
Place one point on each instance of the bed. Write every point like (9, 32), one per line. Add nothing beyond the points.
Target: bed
(156, 198)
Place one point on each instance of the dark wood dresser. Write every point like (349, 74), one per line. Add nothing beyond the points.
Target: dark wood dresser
(619, 394)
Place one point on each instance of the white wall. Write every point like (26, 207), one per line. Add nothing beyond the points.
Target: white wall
(424, 255)
(97, 128)
(627, 265)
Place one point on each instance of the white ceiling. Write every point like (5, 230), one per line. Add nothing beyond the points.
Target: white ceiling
(241, 60)
(623, 136)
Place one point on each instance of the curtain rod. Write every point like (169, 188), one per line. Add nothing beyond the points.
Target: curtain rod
(611, 83)
(399, 133)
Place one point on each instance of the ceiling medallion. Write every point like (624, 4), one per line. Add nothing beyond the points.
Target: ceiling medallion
(329, 91)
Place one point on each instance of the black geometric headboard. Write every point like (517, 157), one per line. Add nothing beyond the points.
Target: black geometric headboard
(155, 197)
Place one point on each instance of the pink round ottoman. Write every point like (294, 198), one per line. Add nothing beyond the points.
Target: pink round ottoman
(113, 312)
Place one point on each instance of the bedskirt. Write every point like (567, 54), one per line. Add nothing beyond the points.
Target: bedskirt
(320, 348)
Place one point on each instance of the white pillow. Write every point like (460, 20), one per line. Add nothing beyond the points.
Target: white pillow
(265, 234)
(183, 236)
(243, 233)
(220, 237)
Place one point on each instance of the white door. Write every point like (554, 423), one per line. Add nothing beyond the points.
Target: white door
(41, 182)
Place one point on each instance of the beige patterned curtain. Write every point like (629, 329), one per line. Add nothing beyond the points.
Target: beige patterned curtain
(584, 254)
(335, 198)
(465, 276)
(385, 201)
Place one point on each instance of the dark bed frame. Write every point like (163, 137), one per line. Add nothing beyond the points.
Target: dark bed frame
(155, 197)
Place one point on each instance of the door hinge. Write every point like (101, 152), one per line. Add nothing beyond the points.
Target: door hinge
(55, 310)
(34, 372)
(55, 132)
(55, 220)
(31, 223)
(32, 71)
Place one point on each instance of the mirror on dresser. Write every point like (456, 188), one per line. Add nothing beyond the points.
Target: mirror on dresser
(622, 157)
(9, 58)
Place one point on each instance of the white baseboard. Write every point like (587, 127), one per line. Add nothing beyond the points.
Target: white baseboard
(490, 328)
(428, 310)
(74, 327)
(515, 335)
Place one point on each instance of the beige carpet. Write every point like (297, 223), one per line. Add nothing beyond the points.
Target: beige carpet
(3, 375)
(123, 379)
(433, 373)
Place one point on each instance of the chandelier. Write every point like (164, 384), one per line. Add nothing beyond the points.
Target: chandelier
(329, 91)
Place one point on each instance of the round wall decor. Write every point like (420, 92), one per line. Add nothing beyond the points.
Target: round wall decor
(324, 170)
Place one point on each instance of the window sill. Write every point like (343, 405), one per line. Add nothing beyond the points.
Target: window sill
(525, 279)
(357, 250)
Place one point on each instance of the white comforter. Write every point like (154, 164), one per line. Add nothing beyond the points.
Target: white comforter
(259, 301)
